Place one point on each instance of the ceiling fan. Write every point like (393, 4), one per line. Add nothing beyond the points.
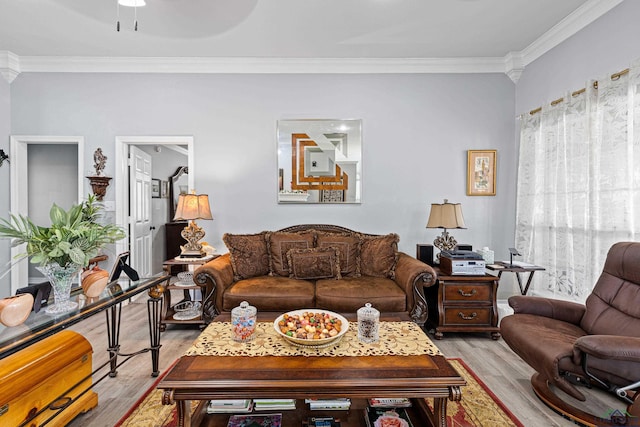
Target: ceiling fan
(130, 3)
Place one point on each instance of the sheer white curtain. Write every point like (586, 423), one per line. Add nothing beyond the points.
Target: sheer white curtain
(579, 184)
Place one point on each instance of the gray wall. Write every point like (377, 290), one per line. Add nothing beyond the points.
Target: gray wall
(605, 47)
(416, 130)
(52, 178)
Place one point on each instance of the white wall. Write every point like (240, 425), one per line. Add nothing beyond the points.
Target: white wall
(5, 130)
(416, 131)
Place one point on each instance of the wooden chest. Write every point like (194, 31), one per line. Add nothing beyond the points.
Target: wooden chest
(35, 377)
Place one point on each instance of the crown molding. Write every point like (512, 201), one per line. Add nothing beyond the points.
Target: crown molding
(570, 25)
(9, 65)
(512, 64)
(259, 65)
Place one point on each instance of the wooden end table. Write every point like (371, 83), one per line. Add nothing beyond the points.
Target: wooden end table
(356, 377)
(463, 304)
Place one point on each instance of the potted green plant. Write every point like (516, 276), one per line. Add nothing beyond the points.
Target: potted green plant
(66, 246)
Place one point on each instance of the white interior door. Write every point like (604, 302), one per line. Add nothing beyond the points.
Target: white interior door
(140, 211)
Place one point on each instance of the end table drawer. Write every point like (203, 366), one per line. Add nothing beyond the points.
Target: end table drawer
(464, 292)
(467, 316)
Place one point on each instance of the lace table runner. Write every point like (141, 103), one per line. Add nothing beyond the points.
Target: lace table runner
(396, 338)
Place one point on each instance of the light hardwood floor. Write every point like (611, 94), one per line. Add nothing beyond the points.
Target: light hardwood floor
(496, 365)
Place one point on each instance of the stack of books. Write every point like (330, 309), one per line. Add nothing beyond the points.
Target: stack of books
(384, 402)
(223, 405)
(273, 404)
(337, 404)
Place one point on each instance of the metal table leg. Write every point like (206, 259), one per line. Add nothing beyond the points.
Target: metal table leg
(113, 314)
(526, 288)
(154, 311)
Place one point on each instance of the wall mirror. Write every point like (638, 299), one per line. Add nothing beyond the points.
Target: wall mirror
(319, 161)
(178, 184)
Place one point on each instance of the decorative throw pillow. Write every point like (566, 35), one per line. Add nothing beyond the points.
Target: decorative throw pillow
(314, 263)
(281, 242)
(249, 254)
(379, 255)
(348, 245)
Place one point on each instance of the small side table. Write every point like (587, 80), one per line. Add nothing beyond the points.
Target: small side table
(502, 266)
(168, 308)
(463, 304)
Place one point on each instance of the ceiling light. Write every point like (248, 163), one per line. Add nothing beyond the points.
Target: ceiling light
(132, 3)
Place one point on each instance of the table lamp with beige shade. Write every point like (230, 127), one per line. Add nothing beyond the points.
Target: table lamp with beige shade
(446, 216)
(192, 207)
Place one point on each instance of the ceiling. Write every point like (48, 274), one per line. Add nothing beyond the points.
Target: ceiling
(434, 32)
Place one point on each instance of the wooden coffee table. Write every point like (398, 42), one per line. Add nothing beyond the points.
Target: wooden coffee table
(358, 378)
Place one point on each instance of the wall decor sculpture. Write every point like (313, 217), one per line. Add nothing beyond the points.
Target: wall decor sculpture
(319, 161)
(99, 182)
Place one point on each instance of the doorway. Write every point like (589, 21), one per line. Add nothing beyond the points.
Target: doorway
(29, 194)
(123, 146)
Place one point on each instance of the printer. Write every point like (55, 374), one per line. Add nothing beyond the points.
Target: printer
(462, 263)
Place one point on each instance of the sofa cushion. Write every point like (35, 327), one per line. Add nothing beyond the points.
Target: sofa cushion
(270, 293)
(314, 263)
(249, 254)
(351, 293)
(348, 245)
(379, 255)
(281, 242)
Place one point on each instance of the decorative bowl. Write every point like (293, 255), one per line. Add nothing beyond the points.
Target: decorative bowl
(320, 342)
(185, 278)
(15, 310)
(187, 310)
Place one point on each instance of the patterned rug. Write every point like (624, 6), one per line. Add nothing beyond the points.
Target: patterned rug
(479, 407)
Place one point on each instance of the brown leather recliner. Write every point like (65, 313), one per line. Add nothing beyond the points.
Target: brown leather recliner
(597, 343)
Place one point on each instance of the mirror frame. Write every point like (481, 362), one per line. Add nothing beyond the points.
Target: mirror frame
(319, 161)
(173, 179)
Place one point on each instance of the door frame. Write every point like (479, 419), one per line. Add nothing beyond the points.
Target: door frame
(122, 144)
(18, 177)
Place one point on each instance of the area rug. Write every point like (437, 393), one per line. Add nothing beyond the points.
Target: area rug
(479, 407)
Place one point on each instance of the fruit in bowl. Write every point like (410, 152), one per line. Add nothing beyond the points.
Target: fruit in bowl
(311, 327)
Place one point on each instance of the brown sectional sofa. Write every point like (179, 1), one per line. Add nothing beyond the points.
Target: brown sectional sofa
(315, 265)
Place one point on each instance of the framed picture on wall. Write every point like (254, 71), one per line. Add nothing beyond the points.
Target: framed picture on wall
(155, 188)
(481, 172)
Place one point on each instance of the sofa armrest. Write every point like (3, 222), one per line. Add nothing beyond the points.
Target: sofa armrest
(412, 276)
(617, 348)
(566, 311)
(216, 275)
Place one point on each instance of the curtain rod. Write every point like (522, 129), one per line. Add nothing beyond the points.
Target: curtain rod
(614, 76)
